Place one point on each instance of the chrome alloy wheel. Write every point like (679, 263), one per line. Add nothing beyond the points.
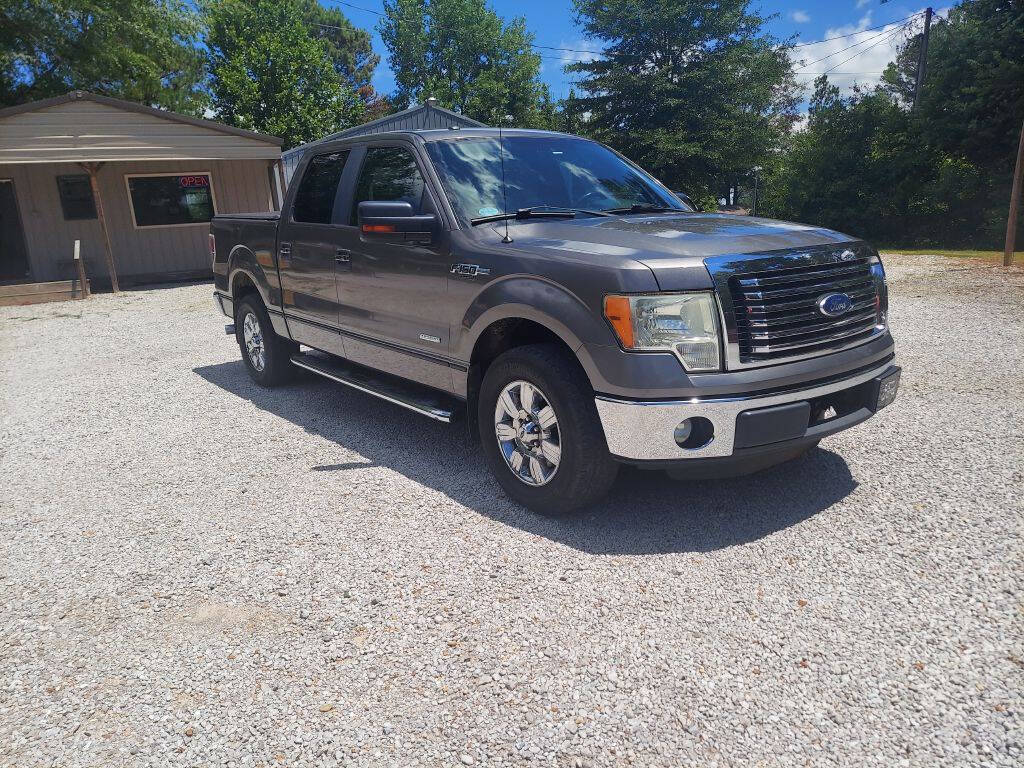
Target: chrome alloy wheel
(254, 341)
(527, 431)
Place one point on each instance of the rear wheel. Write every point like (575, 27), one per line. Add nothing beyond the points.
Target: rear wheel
(540, 431)
(265, 354)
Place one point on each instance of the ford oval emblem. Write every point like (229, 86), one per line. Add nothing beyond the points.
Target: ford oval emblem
(835, 304)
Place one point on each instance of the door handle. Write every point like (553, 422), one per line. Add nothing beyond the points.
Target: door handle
(343, 256)
(284, 252)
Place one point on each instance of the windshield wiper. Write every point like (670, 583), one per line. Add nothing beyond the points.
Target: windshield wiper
(536, 212)
(644, 208)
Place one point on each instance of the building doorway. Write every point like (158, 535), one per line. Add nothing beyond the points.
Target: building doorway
(14, 265)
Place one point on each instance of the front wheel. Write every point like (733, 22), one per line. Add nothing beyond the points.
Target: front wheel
(541, 433)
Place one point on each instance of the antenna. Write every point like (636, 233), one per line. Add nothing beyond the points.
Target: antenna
(504, 194)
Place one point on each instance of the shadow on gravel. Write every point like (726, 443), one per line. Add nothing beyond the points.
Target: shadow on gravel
(646, 512)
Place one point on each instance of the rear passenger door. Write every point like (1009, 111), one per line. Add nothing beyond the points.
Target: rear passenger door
(308, 253)
(393, 309)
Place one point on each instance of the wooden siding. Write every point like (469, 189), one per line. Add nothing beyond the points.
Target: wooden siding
(239, 186)
(84, 130)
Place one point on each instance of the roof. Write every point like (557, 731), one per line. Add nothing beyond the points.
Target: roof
(421, 117)
(81, 126)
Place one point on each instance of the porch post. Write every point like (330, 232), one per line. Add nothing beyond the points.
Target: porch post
(93, 169)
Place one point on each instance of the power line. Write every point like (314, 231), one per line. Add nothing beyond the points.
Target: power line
(859, 31)
(861, 53)
(601, 53)
(854, 45)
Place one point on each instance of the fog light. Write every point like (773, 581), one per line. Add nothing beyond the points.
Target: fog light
(693, 433)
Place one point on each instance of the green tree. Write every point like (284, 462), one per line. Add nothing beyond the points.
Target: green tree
(348, 46)
(268, 74)
(461, 53)
(693, 90)
(972, 102)
(938, 175)
(140, 50)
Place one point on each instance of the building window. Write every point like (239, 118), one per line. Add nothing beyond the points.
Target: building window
(76, 197)
(171, 199)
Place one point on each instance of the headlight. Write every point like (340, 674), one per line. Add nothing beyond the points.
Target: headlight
(683, 323)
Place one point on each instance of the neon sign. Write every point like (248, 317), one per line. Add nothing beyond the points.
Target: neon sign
(191, 182)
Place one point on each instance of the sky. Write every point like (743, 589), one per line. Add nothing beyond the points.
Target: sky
(552, 22)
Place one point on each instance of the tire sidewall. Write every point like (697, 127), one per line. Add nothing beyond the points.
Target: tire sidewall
(246, 306)
(550, 498)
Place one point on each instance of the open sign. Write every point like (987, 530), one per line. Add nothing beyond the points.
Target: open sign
(189, 182)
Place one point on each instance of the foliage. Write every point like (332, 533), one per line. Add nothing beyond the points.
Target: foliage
(940, 174)
(348, 46)
(461, 53)
(140, 50)
(268, 74)
(693, 90)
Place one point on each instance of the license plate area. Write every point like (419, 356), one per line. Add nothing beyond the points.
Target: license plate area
(886, 388)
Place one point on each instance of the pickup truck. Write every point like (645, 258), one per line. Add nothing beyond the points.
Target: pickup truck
(574, 311)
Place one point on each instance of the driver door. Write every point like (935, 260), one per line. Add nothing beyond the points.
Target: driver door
(392, 297)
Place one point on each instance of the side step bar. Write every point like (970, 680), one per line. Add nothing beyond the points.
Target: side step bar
(416, 397)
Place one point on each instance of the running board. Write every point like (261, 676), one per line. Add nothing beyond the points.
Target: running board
(416, 397)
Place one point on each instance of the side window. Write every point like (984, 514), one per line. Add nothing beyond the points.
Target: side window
(314, 200)
(389, 173)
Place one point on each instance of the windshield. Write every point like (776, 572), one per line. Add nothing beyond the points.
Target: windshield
(541, 171)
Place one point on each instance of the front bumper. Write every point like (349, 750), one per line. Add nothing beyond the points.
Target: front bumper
(643, 431)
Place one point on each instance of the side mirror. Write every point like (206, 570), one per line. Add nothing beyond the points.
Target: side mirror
(394, 221)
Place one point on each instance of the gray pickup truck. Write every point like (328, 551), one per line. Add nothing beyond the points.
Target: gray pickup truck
(572, 309)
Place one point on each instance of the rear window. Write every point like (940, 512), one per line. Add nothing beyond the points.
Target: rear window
(314, 200)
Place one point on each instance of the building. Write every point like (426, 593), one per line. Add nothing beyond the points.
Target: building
(426, 115)
(136, 186)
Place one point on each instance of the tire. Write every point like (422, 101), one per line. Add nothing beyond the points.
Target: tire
(583, 471)
(268, 363)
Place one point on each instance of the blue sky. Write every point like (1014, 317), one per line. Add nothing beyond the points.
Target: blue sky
(553, 25)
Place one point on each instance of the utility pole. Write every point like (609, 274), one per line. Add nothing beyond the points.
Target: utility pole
(922, 55)
(1011, 222)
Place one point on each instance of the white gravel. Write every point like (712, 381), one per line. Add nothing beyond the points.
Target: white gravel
(198, 572)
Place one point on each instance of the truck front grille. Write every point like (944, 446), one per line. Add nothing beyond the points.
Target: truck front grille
(770, 303)
(777, 313)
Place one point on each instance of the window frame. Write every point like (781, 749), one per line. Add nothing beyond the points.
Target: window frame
(60, 196)
(146, 227)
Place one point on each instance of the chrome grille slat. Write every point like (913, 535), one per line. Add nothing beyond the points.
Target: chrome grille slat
(808, 290)
(803, 317)
(772, 304)
(775, 310)
(832, 337)
(789, 332)
(813, 274)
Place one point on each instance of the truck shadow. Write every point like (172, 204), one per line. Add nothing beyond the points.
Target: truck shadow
(646, 512)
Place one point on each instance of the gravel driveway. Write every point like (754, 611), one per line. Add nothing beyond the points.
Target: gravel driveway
(198, 572)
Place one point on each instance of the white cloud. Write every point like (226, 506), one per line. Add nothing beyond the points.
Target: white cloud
(862, 3)
(800, 17)
(574, 55)
(863, 55)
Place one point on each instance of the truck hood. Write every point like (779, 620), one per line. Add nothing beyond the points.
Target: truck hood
(673, 246)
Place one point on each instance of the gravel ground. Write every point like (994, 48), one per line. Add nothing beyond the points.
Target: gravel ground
(199, 572)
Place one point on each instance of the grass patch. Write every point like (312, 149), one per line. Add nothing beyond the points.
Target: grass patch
(1018, 256)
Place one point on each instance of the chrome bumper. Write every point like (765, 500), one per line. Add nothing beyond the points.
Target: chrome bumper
(224, 305)
(643, 430)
